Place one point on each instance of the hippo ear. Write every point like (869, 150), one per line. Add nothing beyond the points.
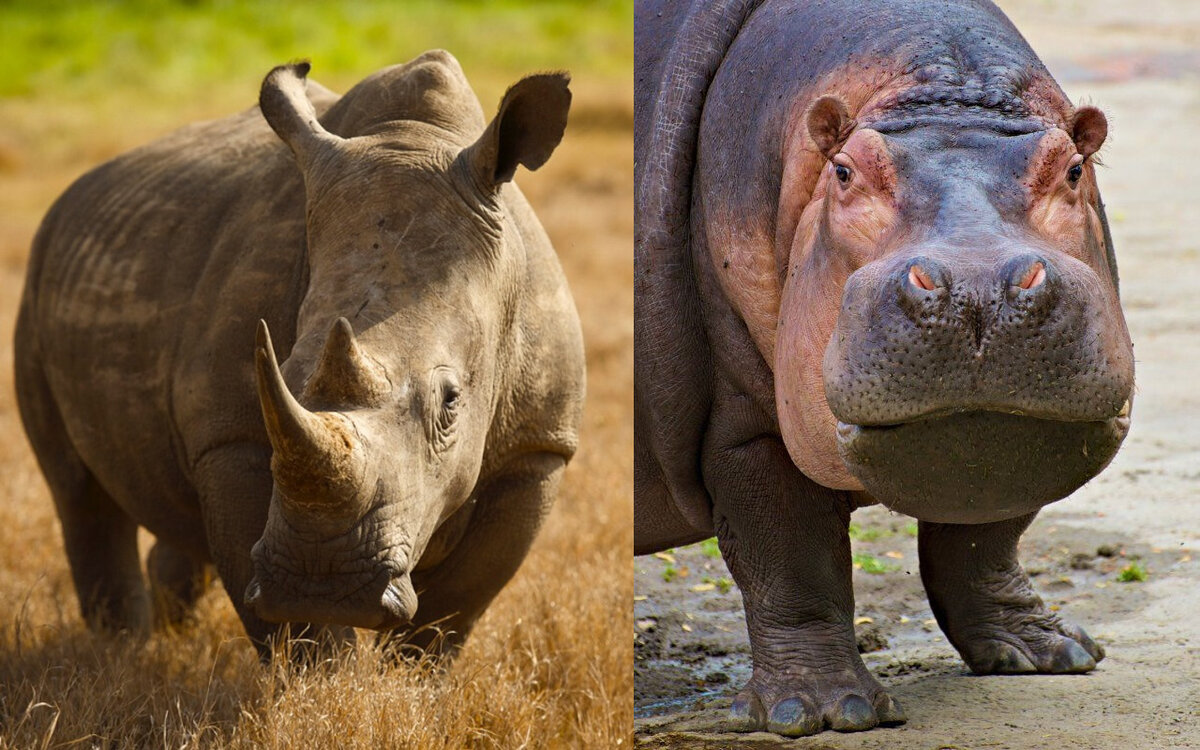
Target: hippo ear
(526, 129)
(1089, 128)
(829, 124)
(288, 111)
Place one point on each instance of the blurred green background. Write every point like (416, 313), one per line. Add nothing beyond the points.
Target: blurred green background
(85, 81)
(163, 47)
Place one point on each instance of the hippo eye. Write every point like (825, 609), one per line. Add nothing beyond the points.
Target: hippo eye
(843, 173)
(1074, 173)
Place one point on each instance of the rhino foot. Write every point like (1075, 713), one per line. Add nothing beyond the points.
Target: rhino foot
(799, 705)
(177, 581)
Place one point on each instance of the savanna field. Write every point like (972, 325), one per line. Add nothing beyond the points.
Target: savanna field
(549, 664)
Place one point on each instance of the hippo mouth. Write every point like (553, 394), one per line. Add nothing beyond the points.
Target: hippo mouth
(978, 466)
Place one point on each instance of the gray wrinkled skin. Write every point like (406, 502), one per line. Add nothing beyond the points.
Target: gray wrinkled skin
(382, 451)
(939, 331)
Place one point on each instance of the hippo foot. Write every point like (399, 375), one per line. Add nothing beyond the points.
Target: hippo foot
(1029, 642)
(987, 607)
(799, 705)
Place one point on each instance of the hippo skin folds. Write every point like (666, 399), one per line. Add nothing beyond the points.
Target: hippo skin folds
(338, 362)
(872, 265)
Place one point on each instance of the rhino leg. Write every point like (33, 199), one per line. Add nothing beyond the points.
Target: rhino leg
(508, 512)
(234, 482)
(101, 545)
(986, 605)
(99, 537)
(786, 541)
(177, 581)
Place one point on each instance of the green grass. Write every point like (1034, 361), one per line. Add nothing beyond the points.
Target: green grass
(723, 583)
(166, 48)
(872, 564)
(1134, 572)
(863, 534)
(710, 548)
(867, 534)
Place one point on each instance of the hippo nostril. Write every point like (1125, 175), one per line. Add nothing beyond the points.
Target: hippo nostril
(1034, 277)
(921, 285)
(920, 279)
(1027, 272)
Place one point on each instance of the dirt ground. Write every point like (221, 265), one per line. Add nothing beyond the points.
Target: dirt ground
(1139, 62)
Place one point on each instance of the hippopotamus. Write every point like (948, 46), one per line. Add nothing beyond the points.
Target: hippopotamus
(323, 346)
(872, 265)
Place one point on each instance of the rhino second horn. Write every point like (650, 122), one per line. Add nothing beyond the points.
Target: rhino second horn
(314, 459)
(345, 375)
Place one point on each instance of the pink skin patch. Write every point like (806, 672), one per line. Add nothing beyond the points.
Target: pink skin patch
(918, 278)
(1034, 277)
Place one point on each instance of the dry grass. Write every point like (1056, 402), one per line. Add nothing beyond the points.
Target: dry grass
(549, 664)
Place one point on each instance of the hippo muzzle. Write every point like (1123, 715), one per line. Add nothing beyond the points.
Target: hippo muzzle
(976, 387)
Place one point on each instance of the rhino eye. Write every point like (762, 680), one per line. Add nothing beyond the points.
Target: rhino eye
(446, 399)
(843, 173)
(1074, 173)
(450, 397)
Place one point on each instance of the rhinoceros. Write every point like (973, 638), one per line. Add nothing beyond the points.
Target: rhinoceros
(872, 264)
(338, 362)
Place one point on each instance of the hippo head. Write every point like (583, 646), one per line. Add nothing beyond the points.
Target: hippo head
(952, 297)
(379, 416)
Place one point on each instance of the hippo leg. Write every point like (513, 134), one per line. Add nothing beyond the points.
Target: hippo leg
(662, 520)
(786, 542)
(986, 605)
(177, 581)
(506, 518)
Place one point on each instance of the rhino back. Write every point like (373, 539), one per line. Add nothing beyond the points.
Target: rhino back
(141, 279)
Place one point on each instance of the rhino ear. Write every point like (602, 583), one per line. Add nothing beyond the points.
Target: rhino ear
(290, 113)
(829, 124)
(526, 129)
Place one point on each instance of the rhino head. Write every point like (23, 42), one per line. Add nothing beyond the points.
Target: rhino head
(380, 416)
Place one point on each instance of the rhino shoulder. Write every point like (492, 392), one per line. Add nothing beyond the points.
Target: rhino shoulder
(542, 405)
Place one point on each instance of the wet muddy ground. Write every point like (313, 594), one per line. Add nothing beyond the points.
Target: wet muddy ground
(1121, 556)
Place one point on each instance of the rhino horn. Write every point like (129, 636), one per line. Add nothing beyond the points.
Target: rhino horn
(345, 375)
(314, 455)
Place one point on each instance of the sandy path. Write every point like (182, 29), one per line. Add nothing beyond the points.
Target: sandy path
(1140, 62)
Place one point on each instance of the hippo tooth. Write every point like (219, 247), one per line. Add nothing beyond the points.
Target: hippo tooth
(1124, 409)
